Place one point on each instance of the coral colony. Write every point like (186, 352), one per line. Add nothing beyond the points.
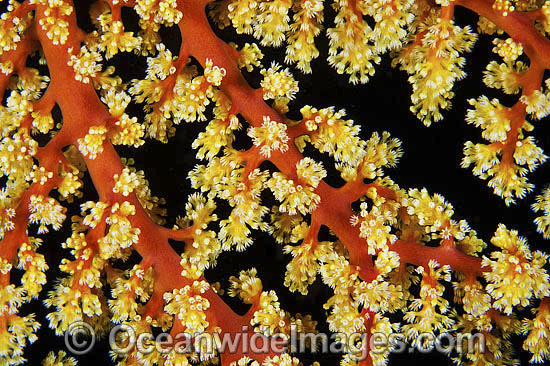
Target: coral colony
(377, 263)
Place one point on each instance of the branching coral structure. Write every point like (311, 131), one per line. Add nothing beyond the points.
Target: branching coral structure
(388, 254)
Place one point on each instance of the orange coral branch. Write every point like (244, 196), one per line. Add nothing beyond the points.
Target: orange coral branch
(518, 25)
(334, 210)
(82, 109)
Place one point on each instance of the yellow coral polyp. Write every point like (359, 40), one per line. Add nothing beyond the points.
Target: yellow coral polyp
(242, 15)
(392, 18)
(219, 134)
(428, 313)
(508, 49)
(247, 212)
(214, 74)
(334, 135)
(282, 360)
(54, 23)
(538, 333)
(34, 265)
(85, 65)
(249, 56)
(43, 123)
(435, 66)
(306, 26)
(6, 216)
(542, 205)
(19, 332)
(517, 274)
(505, 7)
(375, 229)
(126, 182)
(272, 21)
(294, 197)
(16, 155)
(11, 28)
(59, 359)
(509, 182)
(159, 11)
(116, 102)
(127, 131)
(121, 235)
(189, 306)
(475, 300)
(491, 116)
(115, 40)
(6, 68)
(269, 318)
(96, 212)
(302, 270)
(247, 286)
(136, 284)
(278, 84)
(92, 143)
(270, 136)
(435, 213)
(537, 103)
(46, 211)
